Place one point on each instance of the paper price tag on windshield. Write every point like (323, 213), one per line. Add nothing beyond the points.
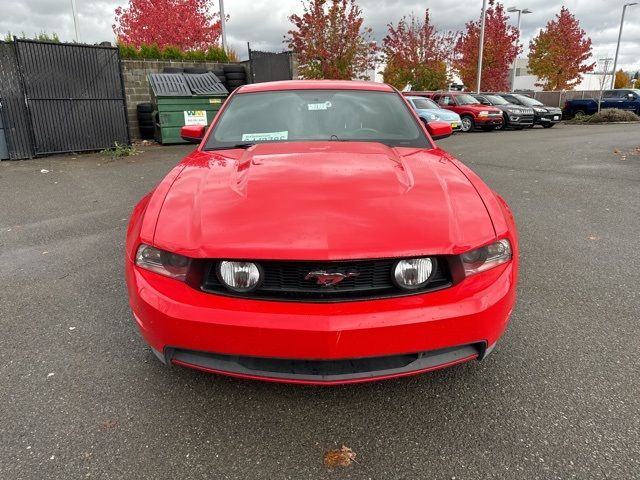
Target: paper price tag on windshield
(319, 106)
(267, 136)
(195, 117)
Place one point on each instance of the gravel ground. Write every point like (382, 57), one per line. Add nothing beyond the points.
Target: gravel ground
(81, 396)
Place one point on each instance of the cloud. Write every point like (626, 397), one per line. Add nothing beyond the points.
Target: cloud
(264, 23)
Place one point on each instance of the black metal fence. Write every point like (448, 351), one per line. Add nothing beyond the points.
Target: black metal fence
(67, 98)
(13, 110)
(270, 66)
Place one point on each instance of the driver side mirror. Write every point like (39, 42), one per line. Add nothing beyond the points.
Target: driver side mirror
(192, 133)
(439, 130)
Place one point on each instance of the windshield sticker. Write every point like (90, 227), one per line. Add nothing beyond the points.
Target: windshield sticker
(319, 106)
(268, 136)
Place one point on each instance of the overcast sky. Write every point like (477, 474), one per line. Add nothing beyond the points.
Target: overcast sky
(264, 22)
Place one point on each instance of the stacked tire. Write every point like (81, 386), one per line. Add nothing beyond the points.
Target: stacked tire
(235, 76)
(145, 120)
(220, 74)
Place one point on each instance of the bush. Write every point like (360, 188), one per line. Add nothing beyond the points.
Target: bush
(172, 53)
(197, 55)
(127, 51)
(613, 115)
(213, 54)
(607, 115)
(149, 51)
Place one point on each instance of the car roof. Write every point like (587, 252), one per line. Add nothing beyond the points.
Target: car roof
(416, 97)
(315, 85)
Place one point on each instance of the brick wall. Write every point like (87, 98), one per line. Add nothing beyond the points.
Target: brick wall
(136, 84)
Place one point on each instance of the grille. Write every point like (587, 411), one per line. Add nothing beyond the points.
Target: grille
(285, 280)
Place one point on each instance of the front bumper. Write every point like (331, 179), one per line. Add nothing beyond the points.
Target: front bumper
(238, 337)
(548, 118)
(520, 120)
(490, 120)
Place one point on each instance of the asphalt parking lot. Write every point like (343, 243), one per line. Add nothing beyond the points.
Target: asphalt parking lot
(81, 396)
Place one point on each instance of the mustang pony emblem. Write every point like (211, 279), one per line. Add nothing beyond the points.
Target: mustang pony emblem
(329, 279)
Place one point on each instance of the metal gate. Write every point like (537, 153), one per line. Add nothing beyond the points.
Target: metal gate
(74, 95)
(59, 97)
(270, 66)
(13, 110)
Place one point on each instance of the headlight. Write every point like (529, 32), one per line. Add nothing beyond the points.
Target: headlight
(162, 262)
(513, 110)
(484, 113)
(413, 273)
(484, 258)
(540, 110)
(433, 117)
(240, 277)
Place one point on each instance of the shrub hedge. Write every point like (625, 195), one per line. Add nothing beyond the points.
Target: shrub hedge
(153, 52)
(608, 115)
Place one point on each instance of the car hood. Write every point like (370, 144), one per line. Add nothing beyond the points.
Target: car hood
(478, 107)
(440, 112)
(321, 201)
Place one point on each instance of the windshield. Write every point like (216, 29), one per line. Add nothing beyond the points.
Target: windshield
(466, 100)
(317, 115)
(528, 101)
(424, 104)
(496, 100)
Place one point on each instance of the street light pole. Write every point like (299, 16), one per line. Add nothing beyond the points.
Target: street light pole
(481, 49)
(223, 28)
(615, 60)
(515, 62)
(75, 21)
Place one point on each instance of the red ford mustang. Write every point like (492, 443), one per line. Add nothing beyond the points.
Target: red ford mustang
(317, 235)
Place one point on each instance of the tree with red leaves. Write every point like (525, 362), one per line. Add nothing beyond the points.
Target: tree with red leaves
(416, 54)
(558, 55)
(330, 41)
(501, 48)
(185, 24)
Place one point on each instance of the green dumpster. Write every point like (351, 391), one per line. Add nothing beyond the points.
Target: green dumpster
(181, 99)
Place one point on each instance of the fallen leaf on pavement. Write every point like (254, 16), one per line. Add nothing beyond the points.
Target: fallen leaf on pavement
(341, 457)
(107, 424)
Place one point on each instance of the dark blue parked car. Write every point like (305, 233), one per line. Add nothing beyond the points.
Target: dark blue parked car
(624, 99)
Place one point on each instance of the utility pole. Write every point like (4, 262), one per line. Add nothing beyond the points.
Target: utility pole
(615, 60)
(515, 62)
(481, 49)
(223, 27)
(75, 21)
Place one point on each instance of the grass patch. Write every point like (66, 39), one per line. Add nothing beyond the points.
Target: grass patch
(607, 115)
(120, 150)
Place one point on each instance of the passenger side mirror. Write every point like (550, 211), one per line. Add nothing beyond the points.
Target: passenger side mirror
(439, 130)
(192, 133)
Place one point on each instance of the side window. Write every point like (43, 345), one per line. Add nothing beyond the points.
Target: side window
(445, 100)
(611, 94)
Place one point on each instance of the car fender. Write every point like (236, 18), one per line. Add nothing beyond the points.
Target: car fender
(145, 214)
(498, 210)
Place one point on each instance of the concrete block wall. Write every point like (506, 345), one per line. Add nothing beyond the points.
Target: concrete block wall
(136, 84)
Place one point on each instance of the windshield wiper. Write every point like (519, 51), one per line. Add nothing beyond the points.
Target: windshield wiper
(231, 147)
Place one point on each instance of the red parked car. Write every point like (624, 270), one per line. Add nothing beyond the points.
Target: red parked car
(472, 113)
(318, 235)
